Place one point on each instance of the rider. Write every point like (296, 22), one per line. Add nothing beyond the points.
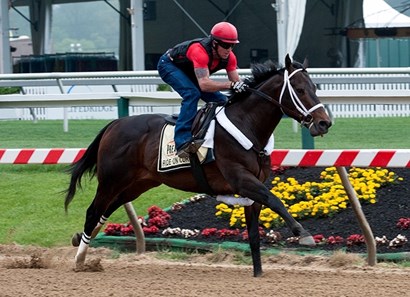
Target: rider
(186, 68)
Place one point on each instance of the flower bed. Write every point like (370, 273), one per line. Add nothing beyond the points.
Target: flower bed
(314, 197)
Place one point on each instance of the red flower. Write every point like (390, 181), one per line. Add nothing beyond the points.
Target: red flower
(127, 230)
(355, 239)
(318, 238)
(209, 232)
(227, 232)
(334, 240)
(403, 223)
(158, 217)
(245, 235)
(113, 229)
(158, 221)
(150, 230)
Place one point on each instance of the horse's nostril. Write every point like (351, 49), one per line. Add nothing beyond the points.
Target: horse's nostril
(325, 124)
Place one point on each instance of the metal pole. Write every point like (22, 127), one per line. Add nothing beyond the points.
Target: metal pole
(307, 140)
(280, 8)
(123, 107)
(137, 35)
(5, 56)
(357, 208)
(48, 16)
(65, 110)
(232, 10)
(139, 233)
(191, 18)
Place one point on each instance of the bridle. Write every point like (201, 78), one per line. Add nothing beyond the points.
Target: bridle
(304, 115)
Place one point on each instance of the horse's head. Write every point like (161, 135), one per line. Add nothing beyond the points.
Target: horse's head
(292, 91)
(298, 98)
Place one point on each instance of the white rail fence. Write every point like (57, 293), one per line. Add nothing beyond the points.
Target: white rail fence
(348, 92)
(369, 110)
(374, 80)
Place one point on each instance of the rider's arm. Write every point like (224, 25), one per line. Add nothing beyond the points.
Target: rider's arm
(233, 75)
(197, 54)
(208, 85)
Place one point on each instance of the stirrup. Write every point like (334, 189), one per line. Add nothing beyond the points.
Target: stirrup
(190, 147)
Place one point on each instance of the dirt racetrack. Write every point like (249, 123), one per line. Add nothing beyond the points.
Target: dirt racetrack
(31, 271)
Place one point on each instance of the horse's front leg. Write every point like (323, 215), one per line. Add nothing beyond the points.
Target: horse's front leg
(259, 193)
(252, 224)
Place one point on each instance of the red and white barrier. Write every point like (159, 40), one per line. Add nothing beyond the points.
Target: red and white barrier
(294, 157)
(40, 156)
(341, 158)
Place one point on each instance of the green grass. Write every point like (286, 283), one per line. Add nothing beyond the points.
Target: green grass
(367, 133)
(31, 199)
(32, 204)
(45, 134)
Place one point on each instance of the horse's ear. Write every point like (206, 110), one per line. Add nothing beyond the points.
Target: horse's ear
(288, 61)
(305, 63)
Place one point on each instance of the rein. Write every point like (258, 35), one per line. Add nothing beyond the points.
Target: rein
(284, 109)
(303, 114)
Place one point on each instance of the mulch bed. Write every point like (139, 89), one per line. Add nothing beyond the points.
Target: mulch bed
(393, 204)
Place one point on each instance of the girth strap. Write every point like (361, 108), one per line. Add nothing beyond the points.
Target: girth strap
(199, 174)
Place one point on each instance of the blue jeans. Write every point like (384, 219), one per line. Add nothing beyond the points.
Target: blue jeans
(190, 93)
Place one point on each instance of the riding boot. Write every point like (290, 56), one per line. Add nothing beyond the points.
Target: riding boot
(190, 147)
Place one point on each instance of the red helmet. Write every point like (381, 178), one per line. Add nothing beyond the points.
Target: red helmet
(225, 32)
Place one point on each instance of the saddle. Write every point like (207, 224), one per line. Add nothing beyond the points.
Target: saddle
(199, 128)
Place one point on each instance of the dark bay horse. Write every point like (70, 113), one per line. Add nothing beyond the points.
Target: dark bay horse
(124, 154)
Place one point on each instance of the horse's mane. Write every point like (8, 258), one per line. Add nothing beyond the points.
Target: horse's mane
(261, 72)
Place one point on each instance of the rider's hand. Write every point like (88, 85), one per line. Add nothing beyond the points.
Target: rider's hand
(238, 86)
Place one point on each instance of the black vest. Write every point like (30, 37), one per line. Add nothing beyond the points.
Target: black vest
(178, 55)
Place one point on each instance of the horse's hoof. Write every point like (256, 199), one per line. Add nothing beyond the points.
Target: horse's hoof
(307, 240)
(75, 240)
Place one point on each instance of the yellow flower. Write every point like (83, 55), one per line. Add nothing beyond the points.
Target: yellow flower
(313, 199)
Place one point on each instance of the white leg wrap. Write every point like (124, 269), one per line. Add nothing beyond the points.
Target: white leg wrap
(102, 220)
(82, 249)
(99, 226)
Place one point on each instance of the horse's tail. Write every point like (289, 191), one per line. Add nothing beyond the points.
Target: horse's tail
(86, 164)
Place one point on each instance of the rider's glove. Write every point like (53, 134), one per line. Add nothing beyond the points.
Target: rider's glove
(238, 86)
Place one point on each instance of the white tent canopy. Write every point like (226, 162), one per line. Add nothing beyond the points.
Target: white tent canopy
(290, 17)
(379, 14)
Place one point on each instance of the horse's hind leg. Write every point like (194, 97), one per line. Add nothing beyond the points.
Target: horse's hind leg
(92, 218)
(130, 194)
(252, 224)
(76, 239)
(97, 215)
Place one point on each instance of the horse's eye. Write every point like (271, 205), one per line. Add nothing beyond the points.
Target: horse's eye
(300, 91)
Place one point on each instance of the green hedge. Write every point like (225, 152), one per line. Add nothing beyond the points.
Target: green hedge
(9, 90)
